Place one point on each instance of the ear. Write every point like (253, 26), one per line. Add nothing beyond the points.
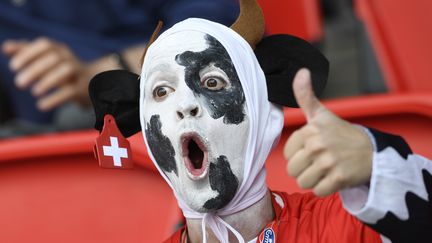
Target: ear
(116, 92)
(280, 57)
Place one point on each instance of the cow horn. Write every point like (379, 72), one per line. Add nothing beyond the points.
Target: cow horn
(151, 40)
(250, 22)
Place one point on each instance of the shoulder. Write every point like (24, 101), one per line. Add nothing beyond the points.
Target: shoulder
(306, 217)
(301, 203)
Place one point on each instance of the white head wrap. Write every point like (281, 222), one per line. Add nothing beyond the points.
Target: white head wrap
(266, 122)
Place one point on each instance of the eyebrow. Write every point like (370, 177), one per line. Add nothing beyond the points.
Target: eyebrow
(159, 67)
(159, 70)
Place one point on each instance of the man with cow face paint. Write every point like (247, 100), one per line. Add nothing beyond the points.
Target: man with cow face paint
(196, 119)
(209, 127)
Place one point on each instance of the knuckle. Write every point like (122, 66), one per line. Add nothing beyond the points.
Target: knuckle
(315, 145)
(323, 191)
(327, 164)
(55, 54)
(67, 68)
(54, 57)
(292, 171)
(318, 145)
(58, 57)
(43, 41)
(294, 135)
(339, 179)
(286, 150)
(330, 158)
(312, 129)
(63, 50)
(319, 192)
(303, 183)
(331, 155)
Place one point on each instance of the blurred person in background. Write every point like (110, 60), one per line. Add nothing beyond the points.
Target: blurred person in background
(50, 49)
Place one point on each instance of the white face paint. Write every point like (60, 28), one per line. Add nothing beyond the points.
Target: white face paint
(196, 118)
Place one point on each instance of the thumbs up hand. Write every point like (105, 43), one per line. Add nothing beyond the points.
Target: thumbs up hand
(327, 154)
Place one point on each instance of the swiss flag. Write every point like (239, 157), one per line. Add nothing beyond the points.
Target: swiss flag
(112, 150)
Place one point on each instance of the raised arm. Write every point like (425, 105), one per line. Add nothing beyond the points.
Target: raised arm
(381, 181)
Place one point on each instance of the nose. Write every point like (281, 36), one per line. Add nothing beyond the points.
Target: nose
(188, 107)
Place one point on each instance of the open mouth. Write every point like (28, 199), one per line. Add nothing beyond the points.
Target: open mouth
(195, 155)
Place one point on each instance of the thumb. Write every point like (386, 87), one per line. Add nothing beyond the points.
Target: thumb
(305, 95)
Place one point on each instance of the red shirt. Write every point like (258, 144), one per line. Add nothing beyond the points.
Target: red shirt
(306, 218)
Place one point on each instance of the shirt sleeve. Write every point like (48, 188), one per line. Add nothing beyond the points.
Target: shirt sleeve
(398, 201)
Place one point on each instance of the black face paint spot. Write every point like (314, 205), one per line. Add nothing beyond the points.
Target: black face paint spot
(228, 103)
(223, 181)
(417, 228)
(160, 145)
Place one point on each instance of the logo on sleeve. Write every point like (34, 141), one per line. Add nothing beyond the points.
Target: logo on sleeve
(268, 236)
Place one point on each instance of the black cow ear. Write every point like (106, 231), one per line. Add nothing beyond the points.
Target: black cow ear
(116, 92)
(280, 57)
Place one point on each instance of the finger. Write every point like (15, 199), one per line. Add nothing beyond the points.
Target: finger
(304, 94)
(297, 140)
(10, 47)
(327, 186)
(36, 69)
(311, 175)
(30, 52)
(299, 162)
(60, 96)
(54, 78)
(295, 143)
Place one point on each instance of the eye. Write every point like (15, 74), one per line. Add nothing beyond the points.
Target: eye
(161, 91)
(214, 83)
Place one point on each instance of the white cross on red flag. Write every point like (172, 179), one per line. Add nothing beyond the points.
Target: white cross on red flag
(112, 150)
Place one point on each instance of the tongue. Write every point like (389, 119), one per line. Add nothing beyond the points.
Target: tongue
(196, 155)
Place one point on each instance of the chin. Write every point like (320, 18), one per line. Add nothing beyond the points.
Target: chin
(197, 195)
(203, 196)
(206, 181)
(200, 206)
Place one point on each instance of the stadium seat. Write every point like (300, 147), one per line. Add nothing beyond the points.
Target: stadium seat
(301, 18)
(53, 189)
(400, 34)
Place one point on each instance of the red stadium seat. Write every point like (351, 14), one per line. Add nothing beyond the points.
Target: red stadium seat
(53, 190)
(296, 17)
(401, 36)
